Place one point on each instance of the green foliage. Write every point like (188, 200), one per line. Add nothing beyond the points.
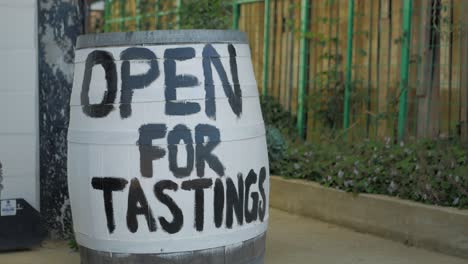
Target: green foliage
(326, 98)
(275, 115)
(326, 101)
(72, 244)
(205, 14)
(277, 146)
(428, 171)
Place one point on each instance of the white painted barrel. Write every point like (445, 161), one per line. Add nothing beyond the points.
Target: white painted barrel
(167, 157)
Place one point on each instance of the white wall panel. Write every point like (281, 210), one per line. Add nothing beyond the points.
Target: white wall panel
(13, 67)
(17, 26)
(18, 100)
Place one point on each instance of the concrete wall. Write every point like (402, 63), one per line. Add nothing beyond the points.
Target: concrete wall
(18, 100)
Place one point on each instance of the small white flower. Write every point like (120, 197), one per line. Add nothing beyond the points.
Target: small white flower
(387, 141)
(329, 178)
(392, 187)
(355, 171)
(297, 166)
(348, 183)
(340, 174)
(456, 201)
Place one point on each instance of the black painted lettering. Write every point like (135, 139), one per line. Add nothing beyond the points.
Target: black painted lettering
(251, 214)
(198, 185)
(148, 153)
(178, 218)
(234, 201)
(180, 133)
(204, 149)
(210, 56)
(138, 205)
(132, 82)
(109, 185)
(105, 59)
(262, 205)
(173, 81)
(218, 203)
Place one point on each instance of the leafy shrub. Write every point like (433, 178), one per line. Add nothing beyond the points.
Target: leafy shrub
(205, 14)
(326, 100)
(275, 116)
(428, 171)
(277, 146)
(433, 172)
(72, 244)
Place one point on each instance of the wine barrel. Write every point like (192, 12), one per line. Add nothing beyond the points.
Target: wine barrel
(167, 157)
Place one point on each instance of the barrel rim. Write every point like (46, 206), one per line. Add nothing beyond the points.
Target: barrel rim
(160, 37)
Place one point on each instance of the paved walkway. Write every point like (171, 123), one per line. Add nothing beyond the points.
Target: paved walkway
(291, 240)
(298, 240)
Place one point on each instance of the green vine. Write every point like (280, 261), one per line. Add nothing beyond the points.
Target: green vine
(205, 14)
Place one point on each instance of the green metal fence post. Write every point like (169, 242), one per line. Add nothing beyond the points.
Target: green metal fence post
(349, 63)
(122, 15)
(235, 16)
(179, 3)
(266, 47)
(156, 14)
(302, 67)
(107, 12)
(404, 73)
(138, 15)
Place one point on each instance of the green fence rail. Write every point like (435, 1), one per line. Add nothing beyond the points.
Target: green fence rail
(111, 19)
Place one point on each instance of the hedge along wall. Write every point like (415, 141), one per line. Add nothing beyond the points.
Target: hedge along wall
(307, 60)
